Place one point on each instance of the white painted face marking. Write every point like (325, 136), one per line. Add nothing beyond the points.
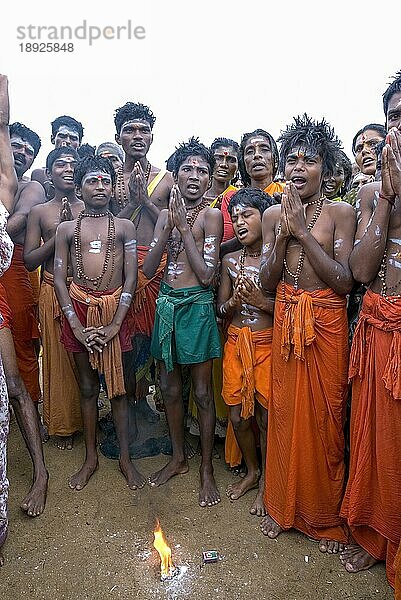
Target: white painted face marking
(16, 139)
(238, 209)
(67, 131)
(378, 231)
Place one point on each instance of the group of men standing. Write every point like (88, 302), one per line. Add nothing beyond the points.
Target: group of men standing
(134, 263)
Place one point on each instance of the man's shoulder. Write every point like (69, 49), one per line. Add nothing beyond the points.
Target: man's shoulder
(28, 193)
(340, 207)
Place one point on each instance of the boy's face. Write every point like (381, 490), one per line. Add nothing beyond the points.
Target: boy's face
(193, 178)
(393, 117)
(96, 189)
(304, 169)
(226, 163)
(62, 172)
(66, 136)
(135, 137)
(247, 224)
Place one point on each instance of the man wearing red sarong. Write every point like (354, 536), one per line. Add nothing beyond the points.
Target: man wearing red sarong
(372, 502)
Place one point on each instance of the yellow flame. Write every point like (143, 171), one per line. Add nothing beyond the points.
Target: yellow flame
(163, 549)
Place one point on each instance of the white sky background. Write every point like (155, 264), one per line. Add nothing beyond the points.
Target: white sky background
(207, 67)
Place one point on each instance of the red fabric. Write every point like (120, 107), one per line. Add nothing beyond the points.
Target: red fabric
(141, 314)
(24, 323)
(373, 495)
(228, 232)
(305, 441)
(68, 338)
(5, 311)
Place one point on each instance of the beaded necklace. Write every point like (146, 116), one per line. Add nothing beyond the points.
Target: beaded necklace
(295, 275)
(110, 248)
(175, 247)
(121, 192)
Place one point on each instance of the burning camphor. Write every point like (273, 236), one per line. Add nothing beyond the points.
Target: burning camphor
(168, 570)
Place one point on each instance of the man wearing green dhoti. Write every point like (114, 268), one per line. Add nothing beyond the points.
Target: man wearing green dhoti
(185, 331)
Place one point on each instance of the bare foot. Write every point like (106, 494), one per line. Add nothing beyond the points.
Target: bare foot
(63, 442)
(79, 480)
(44, 435)
(330, 546)
(171, 469)
(238, 489)
(270, 528)
(190, 451)
(35, 501)
(208, 494)
(135, 479)
(355, 559)
(258, 507)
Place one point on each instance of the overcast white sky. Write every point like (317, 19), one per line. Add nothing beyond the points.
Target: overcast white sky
(208, 68)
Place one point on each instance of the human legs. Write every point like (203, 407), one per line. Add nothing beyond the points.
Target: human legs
(258, 507)
(89, 388)
(171, 389)
(119, 407)
(246, 441)
(201, 374)
(27, 418)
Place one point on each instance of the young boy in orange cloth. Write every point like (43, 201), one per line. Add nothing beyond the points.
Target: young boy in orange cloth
(247, 352)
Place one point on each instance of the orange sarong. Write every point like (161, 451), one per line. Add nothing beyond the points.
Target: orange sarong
(246, 377)
(372, 502)
(24, 324)
(397, 568)
(100, 311)
(305, 440)
(143, 308)
(61, 405)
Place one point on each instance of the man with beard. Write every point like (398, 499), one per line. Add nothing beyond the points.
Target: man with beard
(25, 145)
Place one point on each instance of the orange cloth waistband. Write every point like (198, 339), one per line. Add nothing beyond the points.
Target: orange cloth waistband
(244, 340)
(382, 313)
(101, 310)
(298, 328)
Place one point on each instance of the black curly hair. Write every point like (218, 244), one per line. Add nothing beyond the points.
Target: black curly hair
(93, 163)
(57, 153)
(393, 88)
(131, 111)
(251, 197)
(192, 148)
(317, 137)
(67, 121)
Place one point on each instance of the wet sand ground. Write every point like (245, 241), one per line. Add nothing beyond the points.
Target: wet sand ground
(97, 544)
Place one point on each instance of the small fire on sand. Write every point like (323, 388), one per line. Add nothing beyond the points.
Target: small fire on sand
(168, 570)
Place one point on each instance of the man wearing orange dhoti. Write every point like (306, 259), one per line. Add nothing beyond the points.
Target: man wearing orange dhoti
(373, 496)
(306, 244)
